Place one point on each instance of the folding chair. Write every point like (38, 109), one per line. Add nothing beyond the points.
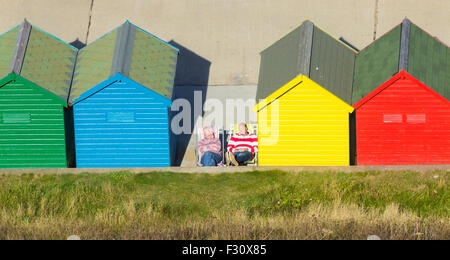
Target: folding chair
(218, 133)
(252, 128)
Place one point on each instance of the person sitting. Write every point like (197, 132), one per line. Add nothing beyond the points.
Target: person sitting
(242, 146)
(210, 149)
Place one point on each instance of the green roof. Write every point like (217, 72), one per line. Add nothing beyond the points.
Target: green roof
(153, 64)
(39, 57)
(279, 64)
(49, 62)
(405, 47)
(376, 64)
(93, 65)
(332, 65)
(7, 46)
(429, 61)
(132, 52)
(310, 51)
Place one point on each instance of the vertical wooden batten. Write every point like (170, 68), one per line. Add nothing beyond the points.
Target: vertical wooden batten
(305, 48)
(21, 48)
(123, 51)
(404, 45)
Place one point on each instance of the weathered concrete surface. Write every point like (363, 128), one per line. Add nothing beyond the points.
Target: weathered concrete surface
(231, 33)
(432, 16)
(227, 33)
(66, 19)
(216, 170)
(237, 103)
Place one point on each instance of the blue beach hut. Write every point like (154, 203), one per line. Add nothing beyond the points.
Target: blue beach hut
(121, 123)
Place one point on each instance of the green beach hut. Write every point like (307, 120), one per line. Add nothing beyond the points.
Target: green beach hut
(32, 127)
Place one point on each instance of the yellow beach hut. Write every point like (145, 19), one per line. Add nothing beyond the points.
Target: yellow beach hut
(303, 124)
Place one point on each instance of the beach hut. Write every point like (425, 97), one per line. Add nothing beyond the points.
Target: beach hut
(304, 120)
(406, 47)
(303, 124)
(403, 122)
(121, 123)
(46, 61)
(311, 51)
(32, 127)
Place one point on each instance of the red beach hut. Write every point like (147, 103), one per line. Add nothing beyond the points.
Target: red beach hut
(403, 122)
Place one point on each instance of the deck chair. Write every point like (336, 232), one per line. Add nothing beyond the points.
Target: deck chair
(252, 128)
(219, 133)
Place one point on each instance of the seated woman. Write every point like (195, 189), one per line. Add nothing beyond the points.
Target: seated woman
(242, 146)
(210, 149)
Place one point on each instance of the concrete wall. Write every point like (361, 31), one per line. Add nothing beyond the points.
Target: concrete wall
(228, 33)
(66, 19)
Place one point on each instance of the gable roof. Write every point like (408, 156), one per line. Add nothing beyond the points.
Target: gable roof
(405, 47)
(38, 56)
(130, 51)
(120, 78)
(401, 75)
(12, 78)
(311, 51)
(297, 82)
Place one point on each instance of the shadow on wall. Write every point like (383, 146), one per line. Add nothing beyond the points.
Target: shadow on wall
(342, 39)
(70, 137)
(192, 74)
(78, 44)
(353, 151)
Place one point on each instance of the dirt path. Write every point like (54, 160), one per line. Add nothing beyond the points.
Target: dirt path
(217, 170)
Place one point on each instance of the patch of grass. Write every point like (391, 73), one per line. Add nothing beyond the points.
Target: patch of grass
(254, 205)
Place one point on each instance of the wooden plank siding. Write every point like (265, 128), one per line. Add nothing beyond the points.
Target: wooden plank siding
(121, 123)
(303, 124)
(32, 133)
(403, 122)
